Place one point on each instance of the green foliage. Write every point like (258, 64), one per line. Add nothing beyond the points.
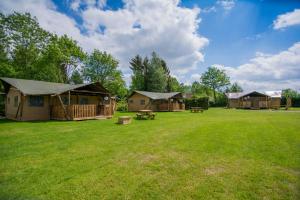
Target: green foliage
(28, 51)
(235, 87)
(173, 85)
(156, 75)
(76, 77)
(139, 67)
(221, 100)
(215, 79)
(152, 75)
(200, 90)
(289, 93)
(122, 105)
(103, 67)
(293, 95)
(197, 102)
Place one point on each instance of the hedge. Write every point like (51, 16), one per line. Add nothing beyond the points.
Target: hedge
(196, 102)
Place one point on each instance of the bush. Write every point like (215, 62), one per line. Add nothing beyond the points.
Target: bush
(196, 102)
(221, 101)
(122, 105)
(295, 101)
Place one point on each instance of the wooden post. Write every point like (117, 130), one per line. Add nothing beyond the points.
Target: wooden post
(63, 106)
(22, 104)
(168, 104)
(69, 97)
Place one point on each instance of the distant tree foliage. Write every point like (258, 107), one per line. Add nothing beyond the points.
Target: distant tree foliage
(76, 77)
(235, 87)
(216, 79)
(28, 51)
(103, 67)
(152, 75)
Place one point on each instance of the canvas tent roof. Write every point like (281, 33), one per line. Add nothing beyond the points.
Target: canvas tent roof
(274, 94)
(236, 95)
(157, 95)
(31, 87)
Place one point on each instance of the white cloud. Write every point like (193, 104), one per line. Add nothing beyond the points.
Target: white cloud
(226, 4)
(75, 5)
(287, 19)
(269, 72)
(140, 27)
(196, 77)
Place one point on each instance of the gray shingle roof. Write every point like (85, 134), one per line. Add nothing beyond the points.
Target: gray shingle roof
(158, 95)
(31, 87)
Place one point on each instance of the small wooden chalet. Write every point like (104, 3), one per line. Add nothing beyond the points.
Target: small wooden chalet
(40, 100)
(254, 100)
(142, 100)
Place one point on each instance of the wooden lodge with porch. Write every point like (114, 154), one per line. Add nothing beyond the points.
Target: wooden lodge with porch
(254, 100)
(28, 100)
(156, 101)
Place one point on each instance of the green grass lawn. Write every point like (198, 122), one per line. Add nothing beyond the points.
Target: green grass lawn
(220, 154)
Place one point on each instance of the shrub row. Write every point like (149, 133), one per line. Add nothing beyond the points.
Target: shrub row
(196, 102)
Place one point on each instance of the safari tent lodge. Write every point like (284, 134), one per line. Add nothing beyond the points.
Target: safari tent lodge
(28, 100)
(142, 100)
(254, 100)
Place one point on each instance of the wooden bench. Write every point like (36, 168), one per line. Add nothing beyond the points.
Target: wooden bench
(196, 109)
(145, 116)
(124, 120)
(152, 116)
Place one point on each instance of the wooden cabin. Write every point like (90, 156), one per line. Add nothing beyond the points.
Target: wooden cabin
(142, 100)
(254, 100)
(28, 100)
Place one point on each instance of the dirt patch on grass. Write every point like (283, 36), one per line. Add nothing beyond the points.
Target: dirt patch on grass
(211, 171)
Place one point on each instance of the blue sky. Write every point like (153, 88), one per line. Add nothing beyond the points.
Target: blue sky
(256, 41)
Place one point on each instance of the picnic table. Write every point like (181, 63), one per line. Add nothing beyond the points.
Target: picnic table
(145, 114)
(196, 109)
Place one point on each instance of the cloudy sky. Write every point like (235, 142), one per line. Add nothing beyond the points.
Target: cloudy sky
(256, 41)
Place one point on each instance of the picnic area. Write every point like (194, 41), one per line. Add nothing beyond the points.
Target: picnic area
(220, 154)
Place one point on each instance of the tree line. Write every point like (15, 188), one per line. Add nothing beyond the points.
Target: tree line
(28, 51)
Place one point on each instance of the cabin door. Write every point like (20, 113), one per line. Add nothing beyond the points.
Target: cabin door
(255, 103)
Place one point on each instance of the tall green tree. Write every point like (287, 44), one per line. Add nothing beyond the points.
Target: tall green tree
(173, 85)
(139, 67)
(23, 40)
(290, 93)
(69, 55)
(103, 67)
(216, 79)
(235, 87)
(28, 51)
(157, 76)
(150, 74)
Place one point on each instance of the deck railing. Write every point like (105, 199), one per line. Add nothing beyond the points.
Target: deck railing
(77, 112)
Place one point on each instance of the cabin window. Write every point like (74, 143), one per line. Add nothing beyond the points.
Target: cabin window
(16, 101)
(84, 101)
(131, 101)
(8, 100)
(65, 100)
(36, 101)
(142, 102)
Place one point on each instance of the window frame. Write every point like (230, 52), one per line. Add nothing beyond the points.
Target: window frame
(36, 101)
(83, 99)
(142, 102)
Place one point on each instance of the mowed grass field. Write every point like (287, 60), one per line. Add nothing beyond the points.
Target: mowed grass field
(220, 154)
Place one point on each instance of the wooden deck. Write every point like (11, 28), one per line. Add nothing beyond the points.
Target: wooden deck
(80, 112)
